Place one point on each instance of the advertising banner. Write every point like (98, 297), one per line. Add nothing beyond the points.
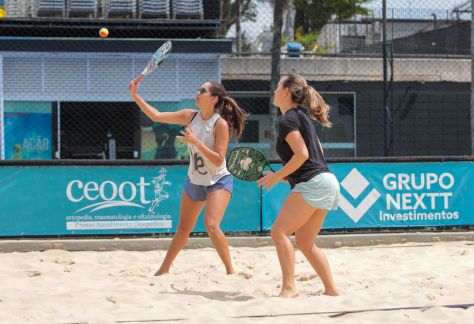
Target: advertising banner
(77, 200)
(89, 200)
(393, 195)
(28, 131)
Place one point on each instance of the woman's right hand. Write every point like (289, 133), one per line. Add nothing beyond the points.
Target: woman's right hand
(285, 179)
(134, 84)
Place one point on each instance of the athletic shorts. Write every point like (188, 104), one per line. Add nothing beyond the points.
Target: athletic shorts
(321, 191)
(199, 193)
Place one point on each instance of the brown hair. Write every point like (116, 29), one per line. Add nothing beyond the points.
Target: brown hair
(228, 108)
(304, 94)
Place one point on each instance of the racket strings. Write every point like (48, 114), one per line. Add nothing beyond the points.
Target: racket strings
(158, 58)
(246, 164)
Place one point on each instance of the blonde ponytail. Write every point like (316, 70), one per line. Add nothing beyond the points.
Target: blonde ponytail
(317, 107)
(304, 94)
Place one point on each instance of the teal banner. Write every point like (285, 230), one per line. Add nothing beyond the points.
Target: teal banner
(77, 200)
(393, 195)
(90, 200)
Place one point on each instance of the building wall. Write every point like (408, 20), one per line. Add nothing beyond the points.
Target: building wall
(430, 118)
(102, 76)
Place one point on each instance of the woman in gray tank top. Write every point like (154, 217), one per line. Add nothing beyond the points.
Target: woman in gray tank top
(208, 183)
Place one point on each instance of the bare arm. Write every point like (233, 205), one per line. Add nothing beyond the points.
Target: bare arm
(216, 154)
(300, 154)
(182, 117)
(221, 134)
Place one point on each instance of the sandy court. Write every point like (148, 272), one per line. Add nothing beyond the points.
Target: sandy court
(58, 286)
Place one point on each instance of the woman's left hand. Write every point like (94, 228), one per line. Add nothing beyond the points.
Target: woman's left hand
(188, 137)
(269, 180)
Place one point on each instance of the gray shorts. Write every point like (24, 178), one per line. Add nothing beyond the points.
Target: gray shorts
(321, 191)
(199, 193)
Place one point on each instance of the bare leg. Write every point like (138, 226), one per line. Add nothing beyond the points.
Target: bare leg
(217, 202)
(305, 237)
(294, 213)
(188, 215)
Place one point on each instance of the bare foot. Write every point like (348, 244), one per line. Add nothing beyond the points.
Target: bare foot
(332, 292)
(161, 272)
(288, 293)
(230, 272)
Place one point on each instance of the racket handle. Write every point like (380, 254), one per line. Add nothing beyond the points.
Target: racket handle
(271, 169)
(138, 78)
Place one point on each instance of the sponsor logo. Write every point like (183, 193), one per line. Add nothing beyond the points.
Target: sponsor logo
(354, 184)
(407, 197)
(110, 194)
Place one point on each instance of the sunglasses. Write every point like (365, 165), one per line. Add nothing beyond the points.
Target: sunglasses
(202, 90)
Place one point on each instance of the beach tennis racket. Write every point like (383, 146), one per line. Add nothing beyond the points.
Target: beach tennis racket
(247, 163)
(157, 58)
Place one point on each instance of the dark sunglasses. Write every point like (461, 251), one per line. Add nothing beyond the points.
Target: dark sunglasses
(202, 90)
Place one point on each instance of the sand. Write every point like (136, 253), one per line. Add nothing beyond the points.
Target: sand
(57, 286)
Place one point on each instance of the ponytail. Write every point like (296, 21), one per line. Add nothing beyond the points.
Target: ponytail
(229, 110)
(304, 94)
(235, 116)
(317, 107)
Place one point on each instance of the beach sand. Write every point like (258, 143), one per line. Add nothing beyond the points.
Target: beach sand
(57, 286)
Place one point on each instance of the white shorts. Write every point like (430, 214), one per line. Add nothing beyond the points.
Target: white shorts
(321, 191)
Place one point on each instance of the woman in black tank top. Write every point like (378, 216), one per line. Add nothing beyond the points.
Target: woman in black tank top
(315, 189)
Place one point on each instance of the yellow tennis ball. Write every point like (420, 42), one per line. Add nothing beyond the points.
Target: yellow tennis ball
(103, 32)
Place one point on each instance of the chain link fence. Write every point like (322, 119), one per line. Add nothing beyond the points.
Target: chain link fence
(63, 89)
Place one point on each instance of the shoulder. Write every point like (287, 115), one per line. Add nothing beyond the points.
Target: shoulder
(189, 114)
(290, 117)
(291, 114)
(221, 125)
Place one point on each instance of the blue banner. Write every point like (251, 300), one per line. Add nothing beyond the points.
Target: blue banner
(29, 136)
(393, 195)
(79, 200)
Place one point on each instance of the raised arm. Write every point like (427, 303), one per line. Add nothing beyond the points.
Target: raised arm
(181, 117)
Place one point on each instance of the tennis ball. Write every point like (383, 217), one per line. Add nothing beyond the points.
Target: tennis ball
(103, 32)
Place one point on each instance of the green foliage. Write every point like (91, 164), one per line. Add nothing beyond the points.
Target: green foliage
(284, 40)
(246, 45)
(312, 15)
(230, 14)
(308, 40)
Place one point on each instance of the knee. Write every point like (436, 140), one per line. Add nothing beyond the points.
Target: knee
(184, 230)
(212, 228)
(277, 235)
(304, 244)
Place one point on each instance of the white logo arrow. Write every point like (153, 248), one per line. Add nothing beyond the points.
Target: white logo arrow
(355, 183)
(355, 213)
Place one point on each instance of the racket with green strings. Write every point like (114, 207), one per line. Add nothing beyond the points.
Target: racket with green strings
(247, 163)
